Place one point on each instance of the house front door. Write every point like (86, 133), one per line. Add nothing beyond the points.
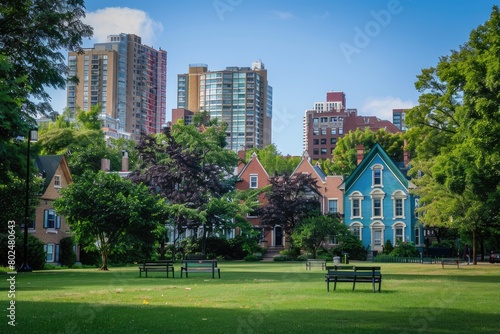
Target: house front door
(278, 236)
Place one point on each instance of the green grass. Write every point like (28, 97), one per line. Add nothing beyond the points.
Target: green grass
(255, 298)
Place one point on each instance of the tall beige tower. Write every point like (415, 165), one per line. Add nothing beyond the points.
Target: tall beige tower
(128, 79)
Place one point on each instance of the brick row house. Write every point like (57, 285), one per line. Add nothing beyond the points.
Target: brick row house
(374, 201)
(253, 175)
(48, 226)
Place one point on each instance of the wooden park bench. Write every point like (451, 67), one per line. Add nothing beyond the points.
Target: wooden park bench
(451, 261)
(315, 263)
(359, 274)
(196, 266)
(159, 265)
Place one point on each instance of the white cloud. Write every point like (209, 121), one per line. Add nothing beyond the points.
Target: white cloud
(382, 107)
(117, 20)
(282, 15)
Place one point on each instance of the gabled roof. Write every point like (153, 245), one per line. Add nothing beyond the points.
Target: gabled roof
(253, 159)
(306, 159)
(363, 165)
(47, 166)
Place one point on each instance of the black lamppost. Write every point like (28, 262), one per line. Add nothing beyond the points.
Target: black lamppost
(25, 267)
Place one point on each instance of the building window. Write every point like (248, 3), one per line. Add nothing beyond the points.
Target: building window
(377, 175)
(49, 250)
(356, 229)
(399, 232)
(417, 236)
(51, 219)
(377, 207)
(254, 181)
(377, 197)
(398, 199)
(333, 206)
(398, 207)
(323, 141)
(356, 199)
(57, 181)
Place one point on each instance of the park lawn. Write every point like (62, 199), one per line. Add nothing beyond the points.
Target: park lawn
(256, 297)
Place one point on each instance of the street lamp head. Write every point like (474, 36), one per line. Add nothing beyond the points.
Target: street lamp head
(33, 135)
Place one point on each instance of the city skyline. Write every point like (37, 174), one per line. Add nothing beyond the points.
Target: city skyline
(372, 51)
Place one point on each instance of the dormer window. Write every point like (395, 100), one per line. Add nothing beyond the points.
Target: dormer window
(377, 175)
(57, 181)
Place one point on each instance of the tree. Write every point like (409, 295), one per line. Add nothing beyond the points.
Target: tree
(33, 35)
(455, 132)
(313, 231)
(273, 161)
(345, 155)
(190, 168)
(108, 213)
(290, 198)
(82, 141)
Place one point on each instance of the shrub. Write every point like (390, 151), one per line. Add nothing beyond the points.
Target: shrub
(405, 249)
(253, 257)
(283, 258)
(388, 247)
(352, 245)
(36, 252)
(68, 256)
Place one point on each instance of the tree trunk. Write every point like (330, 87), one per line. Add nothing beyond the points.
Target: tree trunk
(104, 257)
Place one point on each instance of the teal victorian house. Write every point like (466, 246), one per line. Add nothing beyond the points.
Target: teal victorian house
(378, 205)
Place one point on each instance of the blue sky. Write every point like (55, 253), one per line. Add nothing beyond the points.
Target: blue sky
(371, 50)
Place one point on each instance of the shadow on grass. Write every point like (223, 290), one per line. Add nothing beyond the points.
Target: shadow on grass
(50, 317)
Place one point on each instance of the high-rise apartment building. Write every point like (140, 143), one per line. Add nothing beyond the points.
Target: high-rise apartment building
(238, 96)
(398, 118)
(330, 120)
(128, 79)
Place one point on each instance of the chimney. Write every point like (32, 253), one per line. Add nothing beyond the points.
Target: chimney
(406, 155)
(124, 161)
(241, 160)
(105, 165)
(360, 153)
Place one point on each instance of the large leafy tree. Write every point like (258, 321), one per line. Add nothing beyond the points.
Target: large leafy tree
(33, 36)
(345, 155)
(455, 130)
(112, 214)
(290, 198)
(190, 168)
(314, 230)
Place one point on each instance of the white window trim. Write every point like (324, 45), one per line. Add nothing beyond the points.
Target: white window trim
(356, 195)
(57, 178)
(394, 227)
(377, 225)
(333, 199)
(398, 194)
(252, 176)
(381, 168)
(377, 194)
(360, 225)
